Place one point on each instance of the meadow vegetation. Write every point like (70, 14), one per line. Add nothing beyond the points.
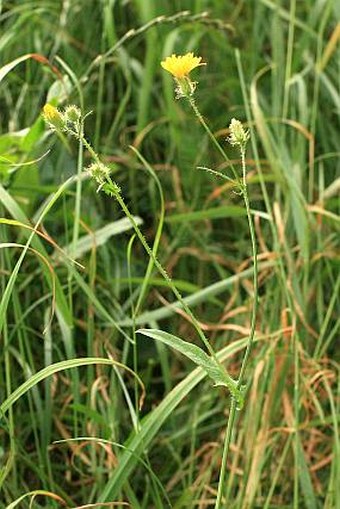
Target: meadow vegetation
(130, 229)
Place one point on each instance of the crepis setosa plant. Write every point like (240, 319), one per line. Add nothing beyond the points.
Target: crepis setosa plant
(180, 67)
(71, 121)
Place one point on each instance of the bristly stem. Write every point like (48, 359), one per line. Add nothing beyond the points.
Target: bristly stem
(245, 360)
(211, 135)
(229, 381)
(244, 191)
(225, 454)
(255, 277)
(163, 272)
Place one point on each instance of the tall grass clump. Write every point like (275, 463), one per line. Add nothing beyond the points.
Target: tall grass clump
(169, 314)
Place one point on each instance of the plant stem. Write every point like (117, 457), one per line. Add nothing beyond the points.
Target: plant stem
(226, 448)
(245, 360)
(162, 271)
(211, 135)
(255, 277)
(232, 412)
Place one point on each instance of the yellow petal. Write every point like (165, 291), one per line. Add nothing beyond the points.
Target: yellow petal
(180, 66)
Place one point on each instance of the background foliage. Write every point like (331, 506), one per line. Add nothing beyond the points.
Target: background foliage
(104, 56)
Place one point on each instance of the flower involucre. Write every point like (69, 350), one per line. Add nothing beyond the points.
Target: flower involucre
(181, 66)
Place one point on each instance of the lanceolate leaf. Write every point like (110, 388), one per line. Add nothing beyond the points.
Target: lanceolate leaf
(196, 354)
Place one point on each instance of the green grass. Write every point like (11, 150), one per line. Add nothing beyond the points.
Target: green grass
(76, 283)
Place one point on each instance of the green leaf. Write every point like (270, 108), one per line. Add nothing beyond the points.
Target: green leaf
(5, 69)
(34, 135)
(195, 354)
(16, 212)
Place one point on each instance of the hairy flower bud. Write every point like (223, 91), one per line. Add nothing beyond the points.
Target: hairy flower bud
(72, 114)
(238, 135)
(99, 172)
(53, 117)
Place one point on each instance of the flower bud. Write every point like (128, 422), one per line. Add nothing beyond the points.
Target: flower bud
(99, 172)
(238, 135)
(72, 114)
(53, 117)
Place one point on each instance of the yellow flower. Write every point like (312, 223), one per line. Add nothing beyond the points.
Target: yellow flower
(181, 66)
(53, 116)
(50, 112)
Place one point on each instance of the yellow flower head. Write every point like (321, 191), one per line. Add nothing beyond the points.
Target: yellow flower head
(53, 116)
(181, 66)
(50, 112)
